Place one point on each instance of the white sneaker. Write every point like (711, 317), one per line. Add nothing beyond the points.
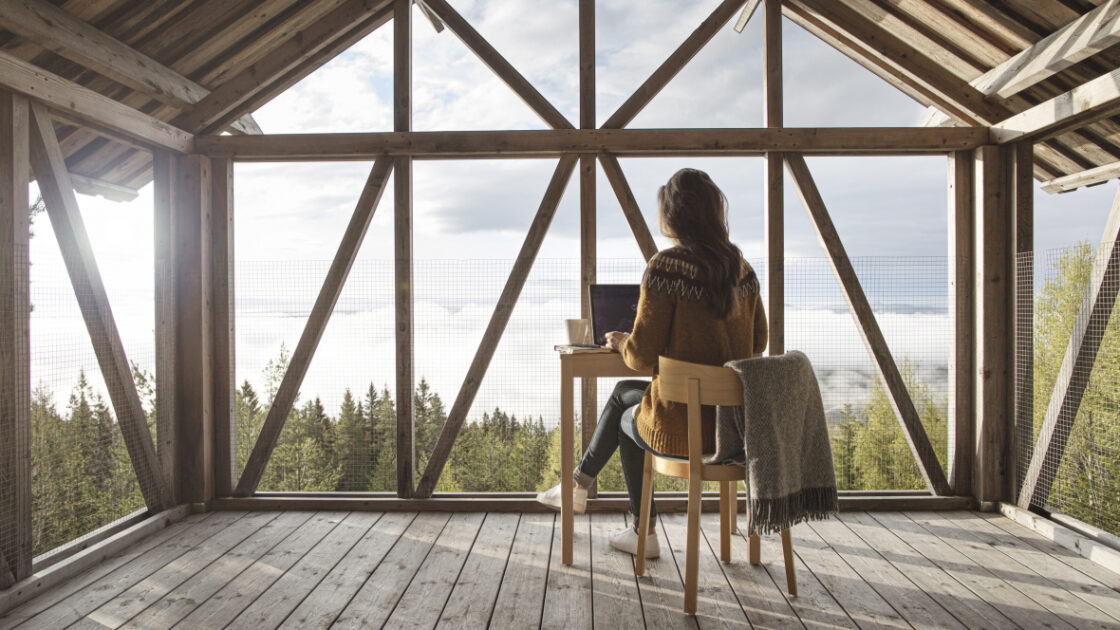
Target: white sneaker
(627, 540)
(551, 498)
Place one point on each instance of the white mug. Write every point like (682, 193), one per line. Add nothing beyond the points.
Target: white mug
(579, 331)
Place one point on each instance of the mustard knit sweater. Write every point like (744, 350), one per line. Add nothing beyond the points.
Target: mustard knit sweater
(675, 320)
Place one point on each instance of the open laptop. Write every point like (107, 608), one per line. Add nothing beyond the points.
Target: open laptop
(613, 307)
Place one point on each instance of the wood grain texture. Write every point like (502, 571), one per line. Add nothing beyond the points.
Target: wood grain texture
(498, 320)
(993, 473)
(962, 242)
(471, 601)
(70, 37)
(316, 324)
(444, 145)
(193, 476)
(90, 107)
(165, 200)
(223, 387)
(872, 335)
(402, 252)
(301, 53)
(15, 341)
(77, 252)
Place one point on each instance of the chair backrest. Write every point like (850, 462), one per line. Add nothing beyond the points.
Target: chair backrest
(718, 385)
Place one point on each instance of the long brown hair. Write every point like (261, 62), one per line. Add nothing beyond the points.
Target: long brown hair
(693, 210)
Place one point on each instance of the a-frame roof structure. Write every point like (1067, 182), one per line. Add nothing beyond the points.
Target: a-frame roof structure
(203, 66)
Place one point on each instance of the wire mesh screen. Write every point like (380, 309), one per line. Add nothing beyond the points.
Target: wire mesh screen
(1076, 385)
(339, 434)
(82, 476)
(909, 297)
(509, 440)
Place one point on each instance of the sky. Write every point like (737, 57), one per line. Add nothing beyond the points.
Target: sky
(477, 211)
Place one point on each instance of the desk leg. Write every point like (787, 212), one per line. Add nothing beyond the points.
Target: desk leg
(566, 467)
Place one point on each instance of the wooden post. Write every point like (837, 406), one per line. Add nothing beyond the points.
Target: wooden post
(1023, 205)
(15, 367)
(774, 185)
(587, 210)
(165, 168)
(402, 238)
(993, 476)
(961, 322)
(222, 329)
(194, 437)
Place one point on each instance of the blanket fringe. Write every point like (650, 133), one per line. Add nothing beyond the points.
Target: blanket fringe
(770, 516)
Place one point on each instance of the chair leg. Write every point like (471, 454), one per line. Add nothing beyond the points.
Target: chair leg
(725, 521)
(692, 548)
(755, 551)
(791, 575)
(643, 518)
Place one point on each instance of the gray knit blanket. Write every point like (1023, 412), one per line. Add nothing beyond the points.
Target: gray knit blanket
(781, 437)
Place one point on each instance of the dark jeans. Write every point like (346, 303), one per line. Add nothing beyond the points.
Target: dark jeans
(616, 430)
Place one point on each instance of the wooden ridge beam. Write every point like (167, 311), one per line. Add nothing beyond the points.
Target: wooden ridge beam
(15, 342)
(622, 142)
(1090, 177)
(1078, 107)
(629, 204)
(1077, 366)
(73, 101)
(673, 65)
(64, 34)
(498, 64)
(872, 335)
(317, 323)
(498, 320)
(296, 58)
(77, 253)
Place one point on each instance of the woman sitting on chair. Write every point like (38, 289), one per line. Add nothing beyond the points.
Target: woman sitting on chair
(699, 302)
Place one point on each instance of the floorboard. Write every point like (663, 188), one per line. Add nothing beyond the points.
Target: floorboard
(317, 570)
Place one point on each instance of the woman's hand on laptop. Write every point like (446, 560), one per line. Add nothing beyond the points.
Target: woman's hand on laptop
(615, 339)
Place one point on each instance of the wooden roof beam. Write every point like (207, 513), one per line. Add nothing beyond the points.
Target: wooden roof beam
(303, 52)
(1076, 41)
(78, 41)
(74, 101)
(621, 142)
(100, 188)
(1080, 106)
(1090, 177)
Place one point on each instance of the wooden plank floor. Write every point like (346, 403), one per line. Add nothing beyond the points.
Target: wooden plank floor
(265, 570)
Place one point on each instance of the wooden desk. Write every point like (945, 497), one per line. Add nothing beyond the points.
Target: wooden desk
(578, 365)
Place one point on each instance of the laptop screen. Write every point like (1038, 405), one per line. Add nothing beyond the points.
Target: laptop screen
(613, 307)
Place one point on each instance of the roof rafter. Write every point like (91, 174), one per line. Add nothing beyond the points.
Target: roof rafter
(78, 41)
(1076, 41)
(1080, 106)
(300, 55)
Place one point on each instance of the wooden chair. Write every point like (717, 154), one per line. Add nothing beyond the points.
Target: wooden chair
(695, 384)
